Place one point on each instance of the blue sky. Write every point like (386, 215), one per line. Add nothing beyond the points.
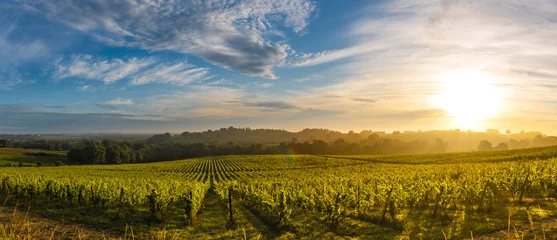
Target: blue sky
(153, 66)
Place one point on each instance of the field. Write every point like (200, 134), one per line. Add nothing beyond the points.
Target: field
(29, 157)
(440, 196)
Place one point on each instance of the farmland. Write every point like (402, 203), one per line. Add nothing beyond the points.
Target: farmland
(29, 157)
(433, 196)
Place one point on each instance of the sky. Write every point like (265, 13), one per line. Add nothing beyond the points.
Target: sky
(86, 66)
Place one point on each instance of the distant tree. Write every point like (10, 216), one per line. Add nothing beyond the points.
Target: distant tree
(112, 154)
(159, 138)
(4, 143)
(493, 131)
(508, 132)
(538, 141)
(185, 134)
(513, 143)
(501, 146)
(199, 150)
(485, 146)
(74, 155)
(93, 153)
(439, 146)
(373, 138)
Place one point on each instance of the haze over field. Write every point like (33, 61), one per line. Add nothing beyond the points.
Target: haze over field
(137, 66)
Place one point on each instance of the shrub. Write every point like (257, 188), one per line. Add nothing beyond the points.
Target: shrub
(59, 163)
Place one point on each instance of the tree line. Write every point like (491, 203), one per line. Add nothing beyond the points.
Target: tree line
(114, 152)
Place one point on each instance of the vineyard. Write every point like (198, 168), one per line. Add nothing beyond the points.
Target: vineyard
(438, 196)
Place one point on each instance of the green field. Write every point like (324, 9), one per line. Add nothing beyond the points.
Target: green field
(437, 196)
(29, 157)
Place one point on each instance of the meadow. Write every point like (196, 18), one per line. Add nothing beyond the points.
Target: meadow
(482, 195)
(12, 157)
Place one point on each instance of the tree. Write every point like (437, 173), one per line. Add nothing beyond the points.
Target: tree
(501, 146)
(93, 153)
(493, 131)
(113, 154)
(199, 150)
(508, 132)
(439, 146)
(4, 143)
(485, 146)
(74, 155)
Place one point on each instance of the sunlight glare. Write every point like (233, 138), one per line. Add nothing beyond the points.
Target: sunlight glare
(468, 96)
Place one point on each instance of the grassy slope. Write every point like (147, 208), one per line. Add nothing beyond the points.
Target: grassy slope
(29, 157)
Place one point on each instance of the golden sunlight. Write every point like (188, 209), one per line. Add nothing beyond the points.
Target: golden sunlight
(468, 96)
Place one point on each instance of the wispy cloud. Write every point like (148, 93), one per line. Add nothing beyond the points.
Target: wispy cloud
(85, 88)
(138, 70)
(271, 105)
(232, 35)
(305, 79)
(178, 74)
(263, 85)
(115, 103)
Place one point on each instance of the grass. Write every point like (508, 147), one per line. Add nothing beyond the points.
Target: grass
(29, 157)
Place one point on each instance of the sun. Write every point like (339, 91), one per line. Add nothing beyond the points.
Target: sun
(468, 96)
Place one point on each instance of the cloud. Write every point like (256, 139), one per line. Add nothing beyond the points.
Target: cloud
(115, 103)
(30, 118)
(85, 88)
(264, 85)
(364, 100)
(305, 79)
(15, 53)
(430, 29)
(178, 74)
(10, 78)
(119, 101)
(236, 35)
(400, 48)
(217, 102)
(138, 70)
(271, 105)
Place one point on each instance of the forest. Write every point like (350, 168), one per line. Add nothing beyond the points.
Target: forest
(166, 147)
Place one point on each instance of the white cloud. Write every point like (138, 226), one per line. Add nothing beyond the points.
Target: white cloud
(119, 101)
(138, 70)
(264, 85)
(115, 104)
(178, 74)
(9, 78)
(235, 35)
(305, 79)
(436, 28)
(85, 88)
